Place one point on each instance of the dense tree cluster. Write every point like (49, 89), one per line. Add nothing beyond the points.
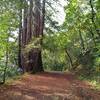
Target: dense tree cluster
(31, 40)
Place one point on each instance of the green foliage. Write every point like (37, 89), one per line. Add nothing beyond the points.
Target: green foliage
(9, 23)
(34, 43)
(79, 35)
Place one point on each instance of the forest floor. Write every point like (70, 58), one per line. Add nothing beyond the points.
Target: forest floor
(48, 86)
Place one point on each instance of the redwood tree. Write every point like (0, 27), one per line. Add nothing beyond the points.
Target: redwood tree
(33, 15)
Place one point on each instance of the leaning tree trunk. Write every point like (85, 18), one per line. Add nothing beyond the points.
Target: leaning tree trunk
(70, 59)
(33, 25)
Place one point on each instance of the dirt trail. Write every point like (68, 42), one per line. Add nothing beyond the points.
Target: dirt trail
(48, 86)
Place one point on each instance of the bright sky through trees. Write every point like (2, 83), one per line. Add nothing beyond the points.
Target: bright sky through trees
(60, 16)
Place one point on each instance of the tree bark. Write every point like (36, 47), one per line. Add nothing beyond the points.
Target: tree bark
(19, 41)
(33, 27)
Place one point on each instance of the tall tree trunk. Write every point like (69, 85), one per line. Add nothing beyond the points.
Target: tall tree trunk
(33, 27)
(19, 41)
(43, 17)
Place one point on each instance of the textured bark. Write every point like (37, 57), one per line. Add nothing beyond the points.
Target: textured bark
(35, 61)
(33, 25)
(43, 17)
(23, 39)
(19, 41)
